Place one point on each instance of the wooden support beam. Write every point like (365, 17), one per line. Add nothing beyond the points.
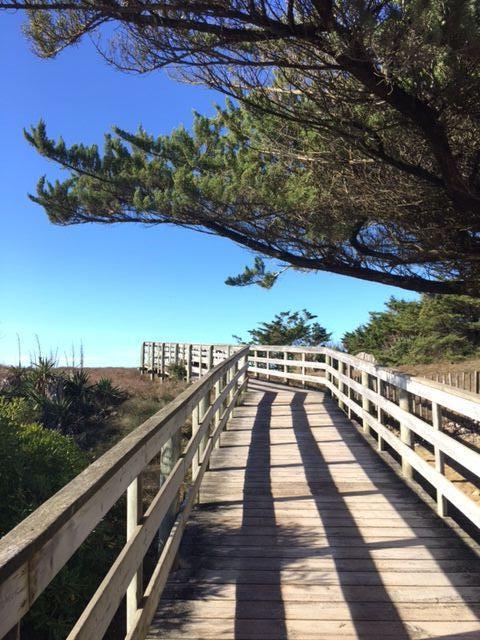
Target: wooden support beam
(210, 357)
(169, 456)
(142, 359)
(439, 458)
(303, 370)
(134, 515)
(406, 436)
(162, 360)
(365, 401)
(189, 363)
(380, 418)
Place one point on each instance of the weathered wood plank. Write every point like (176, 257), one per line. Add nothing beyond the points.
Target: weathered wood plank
(303, 533)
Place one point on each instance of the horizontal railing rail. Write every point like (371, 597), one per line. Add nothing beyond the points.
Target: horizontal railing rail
(383, 402)
(37, 549)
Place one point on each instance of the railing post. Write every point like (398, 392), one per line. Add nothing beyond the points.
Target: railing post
(202, 410)
(365, 401)
(197, 457)
(285, 367)
(152, 360)
(230, 374)
(328, 376)
(176, 350)
(241, 363)
(349, 388)
(380, 412)
(134, 514)
(341, 387)
(210, 357)
(200, 354)
(303, 369)
(189, 363)
(442, 508)
(169, 455)
(255, 364)
(218, 414)
(142, 359)
(162, 361)
(404, 402)
(267, 365)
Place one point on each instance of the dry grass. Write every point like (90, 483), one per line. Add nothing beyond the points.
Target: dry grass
(428, 370)
(145, 397)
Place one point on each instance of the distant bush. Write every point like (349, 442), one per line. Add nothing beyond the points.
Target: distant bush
(177, 370)
(289, 328)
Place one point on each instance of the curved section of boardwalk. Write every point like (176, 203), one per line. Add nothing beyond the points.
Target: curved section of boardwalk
(303, 532)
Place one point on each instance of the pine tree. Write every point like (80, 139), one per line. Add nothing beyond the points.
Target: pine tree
(290, 328)
(431, 329)
(352, 146)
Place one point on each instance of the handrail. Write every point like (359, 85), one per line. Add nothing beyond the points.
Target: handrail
(34, 551)
(359, 388)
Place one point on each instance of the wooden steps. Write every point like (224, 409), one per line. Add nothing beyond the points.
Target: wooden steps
(303, 532)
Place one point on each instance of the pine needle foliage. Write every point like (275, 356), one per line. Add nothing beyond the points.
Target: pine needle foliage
(432, 329)
(294, 328)
(351, 145)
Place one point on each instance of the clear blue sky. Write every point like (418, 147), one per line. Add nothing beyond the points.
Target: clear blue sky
(112, 287)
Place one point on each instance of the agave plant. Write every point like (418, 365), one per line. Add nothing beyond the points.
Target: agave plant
(43, 374)
(107, 393)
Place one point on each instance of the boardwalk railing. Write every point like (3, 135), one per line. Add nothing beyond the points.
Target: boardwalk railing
(157, 357)
(384, 402)
(381, 401)
(35, 551)
(466, 380)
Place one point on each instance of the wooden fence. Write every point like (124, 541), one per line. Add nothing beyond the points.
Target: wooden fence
(35, 551)
(466, 380)
(386, 405)
(157, 357)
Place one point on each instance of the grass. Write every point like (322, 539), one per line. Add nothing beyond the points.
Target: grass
(145, 397)
(428, 370)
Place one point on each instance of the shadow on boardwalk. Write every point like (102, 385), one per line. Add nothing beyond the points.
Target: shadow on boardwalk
(251, 577)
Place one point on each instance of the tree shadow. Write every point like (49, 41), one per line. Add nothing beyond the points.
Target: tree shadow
(443, 548)
(239, 555)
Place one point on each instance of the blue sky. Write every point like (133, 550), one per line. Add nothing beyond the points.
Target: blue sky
(112, 287)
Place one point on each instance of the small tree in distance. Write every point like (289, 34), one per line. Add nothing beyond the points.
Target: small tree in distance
(289, 328)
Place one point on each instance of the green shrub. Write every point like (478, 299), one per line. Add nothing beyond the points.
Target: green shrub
(177, 370)
(34, 464)
(65, 401)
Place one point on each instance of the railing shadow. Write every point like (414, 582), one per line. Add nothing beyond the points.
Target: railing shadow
(240, 578)
(441, 551)
(308, 447)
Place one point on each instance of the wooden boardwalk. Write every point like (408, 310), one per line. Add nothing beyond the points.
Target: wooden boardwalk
(303, 532)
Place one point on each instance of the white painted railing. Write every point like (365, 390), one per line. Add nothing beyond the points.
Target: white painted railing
(35, 551)
(385, 404)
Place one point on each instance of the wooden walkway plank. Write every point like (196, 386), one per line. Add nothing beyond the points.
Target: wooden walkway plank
(303, 532)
